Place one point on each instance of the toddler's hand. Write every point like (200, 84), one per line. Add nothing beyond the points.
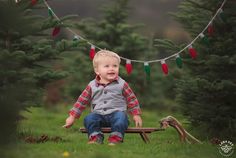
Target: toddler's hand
(69, 122)
(138, 120)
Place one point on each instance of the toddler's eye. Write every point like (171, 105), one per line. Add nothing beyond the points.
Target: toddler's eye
(115, 65)
(106, 66)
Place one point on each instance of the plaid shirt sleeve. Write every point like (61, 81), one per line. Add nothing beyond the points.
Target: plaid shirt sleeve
(132, 101)
(81, 102)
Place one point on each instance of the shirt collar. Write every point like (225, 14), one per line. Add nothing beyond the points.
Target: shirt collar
(97, 81)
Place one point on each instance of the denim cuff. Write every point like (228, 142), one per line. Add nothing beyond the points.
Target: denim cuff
(96, 133)
(117, 134)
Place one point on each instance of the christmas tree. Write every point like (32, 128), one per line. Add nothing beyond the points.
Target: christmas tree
(113, 33)
(207, 90)
(26, 57)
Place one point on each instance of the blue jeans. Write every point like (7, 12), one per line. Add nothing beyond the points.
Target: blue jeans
(118, 121)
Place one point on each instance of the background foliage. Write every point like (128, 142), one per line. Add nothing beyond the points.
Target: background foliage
(207, 89)
(27, 54)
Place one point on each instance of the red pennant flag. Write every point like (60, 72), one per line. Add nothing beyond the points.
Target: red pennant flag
(164, 67)
(128, 67)
(92, 52)
(33, 2)
(210, 30)
(56, 31)
(192, 52)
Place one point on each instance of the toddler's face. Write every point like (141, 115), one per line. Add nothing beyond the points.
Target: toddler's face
(107, 69)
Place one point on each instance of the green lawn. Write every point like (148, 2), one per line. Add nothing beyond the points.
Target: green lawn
(49, 122)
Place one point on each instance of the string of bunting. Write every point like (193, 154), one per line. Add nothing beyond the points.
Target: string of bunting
(203, 35)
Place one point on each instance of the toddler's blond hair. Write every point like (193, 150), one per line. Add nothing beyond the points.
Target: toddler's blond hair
(104, 53)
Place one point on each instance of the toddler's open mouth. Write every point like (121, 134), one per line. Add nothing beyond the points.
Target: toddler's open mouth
(111, 73)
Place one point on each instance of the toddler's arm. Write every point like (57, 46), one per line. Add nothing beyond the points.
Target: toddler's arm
(69, 121)
(78, 107)
(133, 105)
(138, 120)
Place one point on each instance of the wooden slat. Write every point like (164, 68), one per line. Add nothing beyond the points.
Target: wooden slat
(129, 130)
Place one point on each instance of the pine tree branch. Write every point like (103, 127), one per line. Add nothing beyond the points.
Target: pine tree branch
(197, 5)
(7, 41)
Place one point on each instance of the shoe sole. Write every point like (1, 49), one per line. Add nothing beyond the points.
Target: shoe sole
(111, 144)
(93, 143)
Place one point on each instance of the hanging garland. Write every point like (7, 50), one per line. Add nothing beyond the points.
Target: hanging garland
(209, 30)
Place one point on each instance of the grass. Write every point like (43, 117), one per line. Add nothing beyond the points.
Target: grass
(163, 144)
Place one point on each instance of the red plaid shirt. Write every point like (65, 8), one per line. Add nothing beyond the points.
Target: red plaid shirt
(84, 99)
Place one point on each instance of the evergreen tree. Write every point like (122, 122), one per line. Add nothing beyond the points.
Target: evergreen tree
(207, 90)
(26, 59)
(164, 96)
(112, 33)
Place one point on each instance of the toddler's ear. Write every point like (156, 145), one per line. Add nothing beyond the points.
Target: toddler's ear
(96, 71)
